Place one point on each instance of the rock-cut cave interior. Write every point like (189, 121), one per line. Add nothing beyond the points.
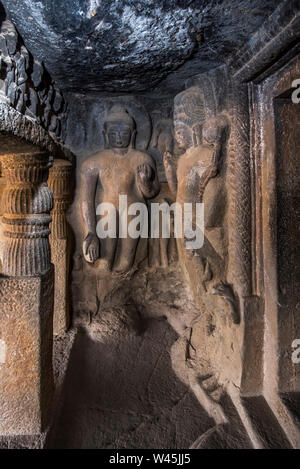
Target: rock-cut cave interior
(149, 235)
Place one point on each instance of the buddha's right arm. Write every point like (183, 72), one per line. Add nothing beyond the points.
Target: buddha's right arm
(88, 185)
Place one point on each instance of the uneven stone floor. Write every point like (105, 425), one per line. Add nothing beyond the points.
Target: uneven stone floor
(123, 393)
(121, 375)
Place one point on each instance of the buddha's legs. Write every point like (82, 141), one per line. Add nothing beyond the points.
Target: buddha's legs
(107, 253)
(125, 254)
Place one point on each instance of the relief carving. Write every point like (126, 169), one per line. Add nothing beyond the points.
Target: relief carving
(25, 86)
(121, 169)
(199, 177)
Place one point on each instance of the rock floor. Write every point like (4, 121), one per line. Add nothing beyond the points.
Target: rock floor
(121, 392)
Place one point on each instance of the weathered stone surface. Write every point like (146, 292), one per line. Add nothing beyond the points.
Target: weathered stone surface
(24, 82)
(60, 257)
(208, 334)
(26, 336)
(140, 44)
(13, 123)
(142, 314)
(37, 73)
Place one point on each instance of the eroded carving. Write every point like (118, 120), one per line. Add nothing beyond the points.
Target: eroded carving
(199, 177)
(25, 86)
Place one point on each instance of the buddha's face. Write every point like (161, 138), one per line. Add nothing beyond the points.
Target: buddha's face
(118, 135)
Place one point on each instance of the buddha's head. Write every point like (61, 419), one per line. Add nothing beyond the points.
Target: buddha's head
(119, 127)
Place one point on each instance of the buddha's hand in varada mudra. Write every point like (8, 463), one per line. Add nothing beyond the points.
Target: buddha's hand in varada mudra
(91, 247)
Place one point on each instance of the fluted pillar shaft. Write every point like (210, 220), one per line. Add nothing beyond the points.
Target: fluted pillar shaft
(26, 296)
(60, 183)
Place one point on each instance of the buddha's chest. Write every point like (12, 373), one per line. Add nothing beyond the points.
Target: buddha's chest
(117, 174)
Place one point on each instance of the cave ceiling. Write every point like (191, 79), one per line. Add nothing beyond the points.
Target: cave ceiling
(92, 46)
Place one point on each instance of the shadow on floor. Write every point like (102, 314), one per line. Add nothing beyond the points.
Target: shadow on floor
(121, 392)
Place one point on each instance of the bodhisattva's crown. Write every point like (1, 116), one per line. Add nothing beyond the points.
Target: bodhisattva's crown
(118, 114)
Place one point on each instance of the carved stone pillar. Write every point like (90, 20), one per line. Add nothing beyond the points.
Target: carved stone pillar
(26, 204)
(26, 296)
(60, 184)
(2, 186)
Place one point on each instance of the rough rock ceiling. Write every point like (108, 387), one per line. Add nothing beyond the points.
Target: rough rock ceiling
(131, 45)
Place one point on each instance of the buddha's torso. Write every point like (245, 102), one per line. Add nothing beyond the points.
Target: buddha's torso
(118, 176)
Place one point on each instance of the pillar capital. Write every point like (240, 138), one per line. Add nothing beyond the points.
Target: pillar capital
(60, 184)
(26, 205)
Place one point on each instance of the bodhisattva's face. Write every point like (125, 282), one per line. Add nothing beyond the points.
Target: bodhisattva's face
(212, 131)
(118, 135)
(183, 136)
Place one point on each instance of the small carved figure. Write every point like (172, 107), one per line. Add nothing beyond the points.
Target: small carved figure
(121, 170)
(163, 137)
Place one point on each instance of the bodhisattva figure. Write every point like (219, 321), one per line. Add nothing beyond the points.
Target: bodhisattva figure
(201, 141)
(121, 170)
(199, 177)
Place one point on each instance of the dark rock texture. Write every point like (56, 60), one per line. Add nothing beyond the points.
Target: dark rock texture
(129, 45)
(26, 86)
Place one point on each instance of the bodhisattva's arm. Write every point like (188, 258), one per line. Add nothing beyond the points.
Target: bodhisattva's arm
(204, 176)
(170, 171)
(147, 179)
(88, 184)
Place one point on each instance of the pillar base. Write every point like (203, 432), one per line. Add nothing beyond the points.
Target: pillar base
(26, 343)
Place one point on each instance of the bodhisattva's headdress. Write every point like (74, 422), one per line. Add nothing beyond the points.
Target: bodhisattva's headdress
(189, 108)
(118, 114)
(189, 112)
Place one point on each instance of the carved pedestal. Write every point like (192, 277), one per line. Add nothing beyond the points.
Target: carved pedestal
(60, 184)
(26, 296)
